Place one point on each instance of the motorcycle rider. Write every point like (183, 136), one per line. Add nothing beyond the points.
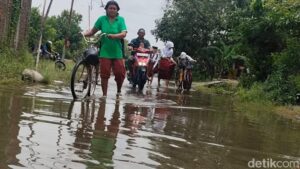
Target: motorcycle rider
(134, 44)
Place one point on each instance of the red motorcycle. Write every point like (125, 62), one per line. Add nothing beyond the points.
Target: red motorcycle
(139, 68)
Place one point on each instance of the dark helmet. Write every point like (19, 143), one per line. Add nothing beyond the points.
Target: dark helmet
(112, 2)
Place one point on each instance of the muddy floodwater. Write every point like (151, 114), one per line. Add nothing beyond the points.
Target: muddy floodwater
(41, 127)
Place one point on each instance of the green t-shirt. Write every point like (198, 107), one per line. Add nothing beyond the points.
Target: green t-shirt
(110, 48)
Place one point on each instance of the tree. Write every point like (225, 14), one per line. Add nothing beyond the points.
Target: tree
(55, 30)
(34, 28)
(193, 25)
(14, 19)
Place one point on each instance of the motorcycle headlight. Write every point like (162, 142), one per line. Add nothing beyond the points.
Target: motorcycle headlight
(142, 64)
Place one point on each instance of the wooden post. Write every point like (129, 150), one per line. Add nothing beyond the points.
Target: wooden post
(68, 33)
(89, 11)
(43, 20)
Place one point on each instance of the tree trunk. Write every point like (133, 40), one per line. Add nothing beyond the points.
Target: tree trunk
(23, 25)
(5, 6)
(2, 19)
(14, 36)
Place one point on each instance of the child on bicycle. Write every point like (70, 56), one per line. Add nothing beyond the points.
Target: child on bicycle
(184, 59)
(184, 63)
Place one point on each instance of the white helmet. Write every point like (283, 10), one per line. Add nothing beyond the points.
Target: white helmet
(169, 44)
(182, 54)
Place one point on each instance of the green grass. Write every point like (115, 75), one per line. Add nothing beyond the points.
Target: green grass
(47, 69)
(254, 101)
(12, 65)
(222, 88)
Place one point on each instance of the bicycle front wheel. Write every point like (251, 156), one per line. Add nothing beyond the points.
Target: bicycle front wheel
(180, 80)
(81, 80)
(94, 78)
(187, 83)
(60, 65)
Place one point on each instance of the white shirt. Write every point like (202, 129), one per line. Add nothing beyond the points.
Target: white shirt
(155, 57)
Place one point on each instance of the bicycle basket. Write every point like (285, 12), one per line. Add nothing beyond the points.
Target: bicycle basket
(91, 56)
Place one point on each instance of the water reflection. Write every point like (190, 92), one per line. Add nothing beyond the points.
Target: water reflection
(105, 134)
(141, 130)
(10, 112)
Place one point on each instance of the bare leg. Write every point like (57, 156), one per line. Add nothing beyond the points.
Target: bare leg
(151, 79)
(158, 82)
(167, 83)
(104, 83)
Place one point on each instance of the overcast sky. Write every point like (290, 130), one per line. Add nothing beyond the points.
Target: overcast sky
(137, 13)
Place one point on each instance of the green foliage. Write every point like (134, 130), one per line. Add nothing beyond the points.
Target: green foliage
(296, 80)
(264, 34)
(34, 28)
(57, 28)
(14, 18)
(289, 57)
(11, 67)
(247, 80)
(258, 39)
(280, 88)
(254, 94)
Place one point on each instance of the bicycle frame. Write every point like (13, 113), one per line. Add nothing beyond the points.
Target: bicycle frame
(184, 78)
(86, 70)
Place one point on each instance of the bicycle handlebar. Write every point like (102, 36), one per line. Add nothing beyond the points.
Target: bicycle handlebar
(93, 41)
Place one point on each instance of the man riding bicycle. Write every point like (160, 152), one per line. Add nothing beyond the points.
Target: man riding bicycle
(46, 50)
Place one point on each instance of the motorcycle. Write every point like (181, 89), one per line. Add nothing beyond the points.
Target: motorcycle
(138, 76)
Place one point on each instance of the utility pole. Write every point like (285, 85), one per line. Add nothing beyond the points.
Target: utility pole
(102, 4)
(43, 20)
(68, 33)
(89, 11)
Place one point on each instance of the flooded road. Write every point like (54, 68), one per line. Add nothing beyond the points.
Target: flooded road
(41, 127)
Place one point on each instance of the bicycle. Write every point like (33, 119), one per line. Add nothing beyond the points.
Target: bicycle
(85, 73)
(183, 76)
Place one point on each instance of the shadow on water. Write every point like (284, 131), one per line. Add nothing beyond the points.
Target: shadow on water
(44, 128)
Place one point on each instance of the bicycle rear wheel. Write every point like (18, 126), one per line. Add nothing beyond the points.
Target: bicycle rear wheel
(81, 80)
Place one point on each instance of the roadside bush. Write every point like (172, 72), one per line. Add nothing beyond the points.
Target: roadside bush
(12, 64)
(254, 94)
(246, 80)
(280, 88)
